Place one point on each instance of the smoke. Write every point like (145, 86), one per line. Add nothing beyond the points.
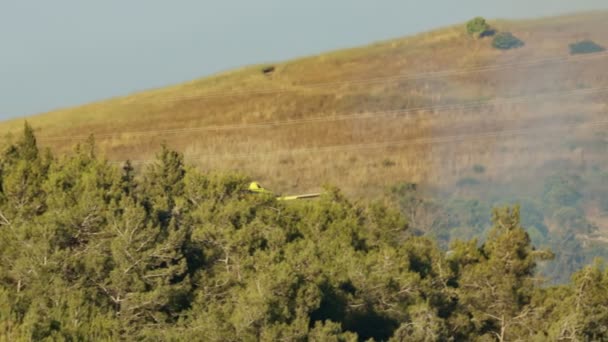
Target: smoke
(541, 144)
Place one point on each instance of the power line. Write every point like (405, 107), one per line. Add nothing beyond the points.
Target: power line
(343, 117)
(393, 143)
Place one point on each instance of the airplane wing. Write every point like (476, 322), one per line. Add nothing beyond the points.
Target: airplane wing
(296, 197)
(255, 187)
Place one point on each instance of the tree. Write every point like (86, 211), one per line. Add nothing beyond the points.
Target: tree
(496, 282)
(591, 302)
(581, 311)
(80, 191)
(506, 41)
(562, 190)
(149, 280)
(585, 46)
(423, 325)
(22, 171)
(477, 27)
(424, 216)
(163, 184)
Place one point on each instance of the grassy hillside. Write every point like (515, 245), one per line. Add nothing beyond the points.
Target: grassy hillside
(429, 108)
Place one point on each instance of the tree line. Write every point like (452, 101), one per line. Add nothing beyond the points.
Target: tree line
(92, 251)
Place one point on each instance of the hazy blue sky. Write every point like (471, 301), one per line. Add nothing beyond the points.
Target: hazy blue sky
(65, 52)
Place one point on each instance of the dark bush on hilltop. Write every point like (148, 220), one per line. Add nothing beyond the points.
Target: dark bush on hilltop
(506, 41)
(478, 28)
(585, 46)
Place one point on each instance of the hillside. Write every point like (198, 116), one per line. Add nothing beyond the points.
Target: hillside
(427, 108)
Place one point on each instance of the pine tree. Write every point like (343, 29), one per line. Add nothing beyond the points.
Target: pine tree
(163, 183)
(496, 283)
(128, 184)
(583, 315)
(23, 171)
(138, 270)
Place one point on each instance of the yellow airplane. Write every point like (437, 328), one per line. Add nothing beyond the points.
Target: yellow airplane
(255, 187)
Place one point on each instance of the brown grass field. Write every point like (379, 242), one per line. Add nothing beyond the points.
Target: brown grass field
(426, 108)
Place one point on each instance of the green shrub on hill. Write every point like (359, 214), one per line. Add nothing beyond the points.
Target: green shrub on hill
(585, 46)
(506, 41)
(477, 27)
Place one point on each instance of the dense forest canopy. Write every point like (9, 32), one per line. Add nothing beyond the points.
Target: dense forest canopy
(92, 251)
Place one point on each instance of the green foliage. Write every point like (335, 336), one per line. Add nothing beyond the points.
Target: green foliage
(585, 46)
(467, 182)
(89, 251)
(476, 27)
(562, 190)
(578, 312)
(506, 41)
(23, 171)
(479, 168)
(424, 215)
(468, 218)
(496, 282)
(558, 204)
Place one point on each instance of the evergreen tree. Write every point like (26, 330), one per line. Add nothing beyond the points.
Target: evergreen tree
(583, 315)
(496, 281)
(23, 170)
(163, 183)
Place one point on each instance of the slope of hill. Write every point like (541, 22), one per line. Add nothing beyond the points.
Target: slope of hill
(425, 108)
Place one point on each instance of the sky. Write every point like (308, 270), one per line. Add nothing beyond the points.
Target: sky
(62, 53)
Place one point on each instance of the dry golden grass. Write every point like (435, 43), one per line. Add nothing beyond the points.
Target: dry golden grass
(414, 146)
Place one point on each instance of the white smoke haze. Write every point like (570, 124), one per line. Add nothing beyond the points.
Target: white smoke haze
(557, 140)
